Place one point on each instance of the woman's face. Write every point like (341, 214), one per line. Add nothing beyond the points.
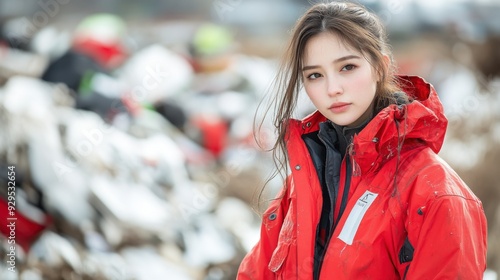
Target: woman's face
(340, 82)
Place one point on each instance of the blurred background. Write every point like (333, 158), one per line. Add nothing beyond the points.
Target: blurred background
(127, 126)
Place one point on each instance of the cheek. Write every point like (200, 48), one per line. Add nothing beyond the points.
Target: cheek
(312, 91)
(365, 82)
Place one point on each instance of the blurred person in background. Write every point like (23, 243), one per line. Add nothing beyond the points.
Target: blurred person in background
(367, 196)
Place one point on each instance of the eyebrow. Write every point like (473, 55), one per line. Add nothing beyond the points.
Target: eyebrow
(347, 57)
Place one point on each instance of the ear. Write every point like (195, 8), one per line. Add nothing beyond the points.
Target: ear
(387, 65)
(387, 60)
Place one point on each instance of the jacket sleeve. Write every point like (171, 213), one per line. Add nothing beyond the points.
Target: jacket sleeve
(255, 264)
(452, 240)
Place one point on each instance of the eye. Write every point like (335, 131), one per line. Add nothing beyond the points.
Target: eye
(313, 76)
(348, 67)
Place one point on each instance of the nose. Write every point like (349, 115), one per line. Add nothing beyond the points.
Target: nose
(334, 87)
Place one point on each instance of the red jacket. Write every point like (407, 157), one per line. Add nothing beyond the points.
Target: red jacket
(430, 208)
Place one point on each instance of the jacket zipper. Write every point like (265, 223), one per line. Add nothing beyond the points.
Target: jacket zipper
(345, 169)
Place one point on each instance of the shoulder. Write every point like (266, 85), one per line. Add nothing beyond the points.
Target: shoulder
(427, 176)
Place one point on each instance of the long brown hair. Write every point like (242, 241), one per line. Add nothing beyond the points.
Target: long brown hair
(357, 28)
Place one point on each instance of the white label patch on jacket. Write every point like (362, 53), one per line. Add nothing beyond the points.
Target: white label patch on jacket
(354, 219)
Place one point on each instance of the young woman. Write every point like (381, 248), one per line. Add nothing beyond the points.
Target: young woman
(367, 196)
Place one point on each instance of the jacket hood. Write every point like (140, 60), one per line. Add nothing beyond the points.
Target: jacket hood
(420, 122)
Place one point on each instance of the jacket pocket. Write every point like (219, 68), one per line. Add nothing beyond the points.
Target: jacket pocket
(285, 240)
(278, 258)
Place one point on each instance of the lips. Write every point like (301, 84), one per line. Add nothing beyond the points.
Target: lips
(339, 107)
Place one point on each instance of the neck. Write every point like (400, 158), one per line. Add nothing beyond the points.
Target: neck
(366, 116)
